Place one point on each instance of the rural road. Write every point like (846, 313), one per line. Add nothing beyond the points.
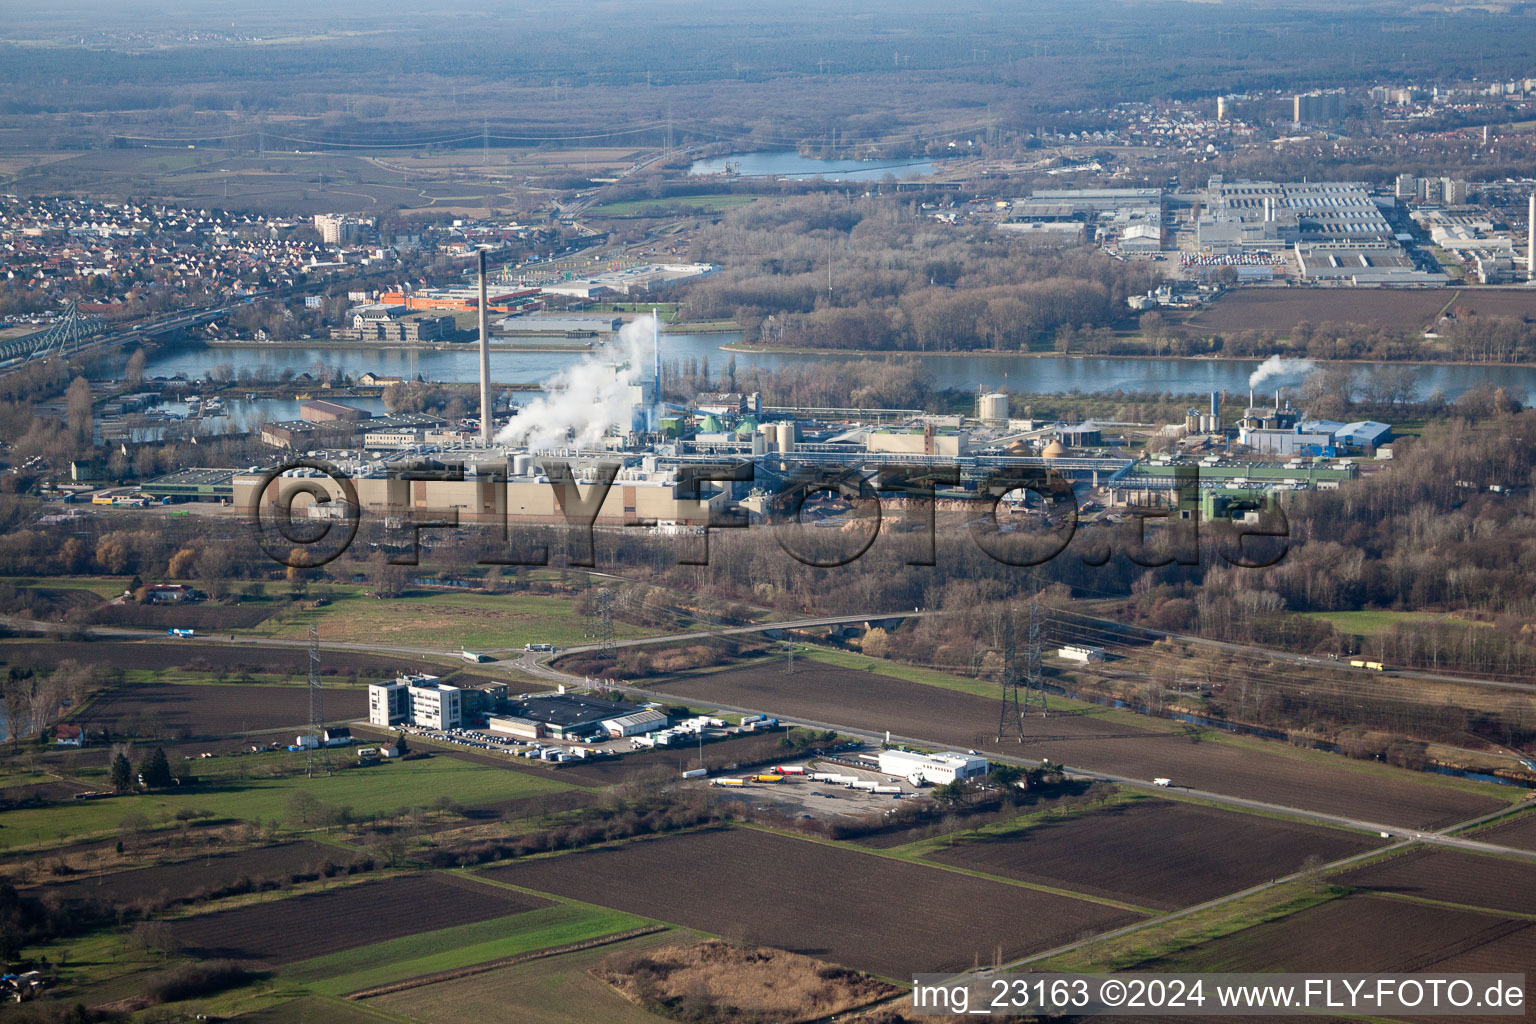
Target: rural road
(523, 663)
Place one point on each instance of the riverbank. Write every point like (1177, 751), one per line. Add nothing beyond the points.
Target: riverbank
(1001, 353)
(393, 346)
(705, 327)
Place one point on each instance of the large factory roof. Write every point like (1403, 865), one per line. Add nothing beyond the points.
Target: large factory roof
(568, 710)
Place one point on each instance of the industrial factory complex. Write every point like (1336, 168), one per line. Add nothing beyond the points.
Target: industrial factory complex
(668, 467)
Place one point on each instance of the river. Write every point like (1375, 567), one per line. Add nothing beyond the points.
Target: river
(1034, 374)
(789, 164)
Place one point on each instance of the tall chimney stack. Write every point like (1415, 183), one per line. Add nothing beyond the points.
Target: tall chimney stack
(485, 363)
(1530, 240)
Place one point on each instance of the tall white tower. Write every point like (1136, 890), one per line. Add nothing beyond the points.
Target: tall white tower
(485, 363)
(1530, 240)
(656, 368)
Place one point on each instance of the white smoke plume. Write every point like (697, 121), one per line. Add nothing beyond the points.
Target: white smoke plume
(584, 401)
(1279, 366)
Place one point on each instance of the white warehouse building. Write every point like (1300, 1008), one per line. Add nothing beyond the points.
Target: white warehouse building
(1076, 652)
(936, 769)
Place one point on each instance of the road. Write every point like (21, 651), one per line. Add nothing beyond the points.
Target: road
(526, 662)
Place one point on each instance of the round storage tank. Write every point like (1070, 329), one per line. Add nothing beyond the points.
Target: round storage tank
(786, 437)
(522, 465)
(993, 408)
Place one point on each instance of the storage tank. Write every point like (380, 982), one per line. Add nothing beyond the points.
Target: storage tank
(1192, 422)
(522, 465)
(992, 408)
(759, 443)
(770, 435)
(786, 436)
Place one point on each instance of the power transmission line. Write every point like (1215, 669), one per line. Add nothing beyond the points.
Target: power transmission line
(1010, 719)
(316, 711)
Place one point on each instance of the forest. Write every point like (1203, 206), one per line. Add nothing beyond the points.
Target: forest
(403, 71)
(824, 272)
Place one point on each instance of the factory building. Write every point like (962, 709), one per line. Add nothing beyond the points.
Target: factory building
(201, 484)
(560, 325)
(1245, 215)
(926, 441)
(461, 300)
(416, 699)
(514, 489)
(1364, 434)
(567, 716)
(318, 410)
(1362, 263)
(934, 769)
(1131, 218)
(1293, 441)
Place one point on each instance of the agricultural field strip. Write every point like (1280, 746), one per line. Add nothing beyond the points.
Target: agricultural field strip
(554, 990)
(1190, 911)
(283, 931)
(1519, 820)
(207, 870)
(459, 947)
(736, 849)
(1498, 885)
(415, 782)
(483, 967)
(1040, 844)
(1405, 938)
(896, 854)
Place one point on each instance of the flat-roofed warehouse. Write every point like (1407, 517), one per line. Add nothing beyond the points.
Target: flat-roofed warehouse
(559, 325)
(318, 410)
(571, 716)
(193, 485)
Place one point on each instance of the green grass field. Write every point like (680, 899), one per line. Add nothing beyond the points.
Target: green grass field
(317, 1010)
(1369, 623)
(379, 789)
(557, 990)
(102, 586)
(481, 622)
(697, 204)
(962, 684)
(412, 956)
